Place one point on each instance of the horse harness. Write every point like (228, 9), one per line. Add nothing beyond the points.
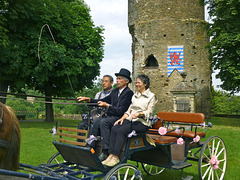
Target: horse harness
(3, 143)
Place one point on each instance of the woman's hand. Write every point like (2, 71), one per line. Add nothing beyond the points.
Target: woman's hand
(119, 121)
(135, 115)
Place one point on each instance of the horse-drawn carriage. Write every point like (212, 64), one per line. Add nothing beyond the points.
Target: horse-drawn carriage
(155, 151)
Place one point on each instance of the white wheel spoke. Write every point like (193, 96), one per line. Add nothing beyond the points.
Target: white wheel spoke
(119, 175)
(217, 175)
(213, 147)
(209, 149)
(206, 165)
(210, 173)
(206, 156)
(220, 152)
(220, 169)
(217, 147)
(123, 171)
(222, 160)
(150, 170)
(222, 176)
(206, 172)
(133, 177)
(126, 174)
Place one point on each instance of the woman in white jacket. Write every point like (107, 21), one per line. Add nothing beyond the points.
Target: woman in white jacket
(136, 118)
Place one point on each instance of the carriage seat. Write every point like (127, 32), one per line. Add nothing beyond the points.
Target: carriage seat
(187, 134)
(70, 136)
(180, 118)
(161, 140)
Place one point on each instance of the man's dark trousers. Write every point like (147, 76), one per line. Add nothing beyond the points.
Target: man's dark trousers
(118, 106)
(103, 125)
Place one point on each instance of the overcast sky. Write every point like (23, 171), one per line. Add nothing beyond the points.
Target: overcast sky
(113, 16)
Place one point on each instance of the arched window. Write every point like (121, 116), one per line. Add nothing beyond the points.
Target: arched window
(151, 61)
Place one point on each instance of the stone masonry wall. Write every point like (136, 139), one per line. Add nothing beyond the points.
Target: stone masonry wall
(157, 24)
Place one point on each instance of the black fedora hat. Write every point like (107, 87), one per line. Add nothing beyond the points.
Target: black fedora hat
(124, 72)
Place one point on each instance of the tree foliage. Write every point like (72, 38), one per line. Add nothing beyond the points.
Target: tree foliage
(73, 57)
(224, 103)
(224, 29)
(3, 30)
(78, 45)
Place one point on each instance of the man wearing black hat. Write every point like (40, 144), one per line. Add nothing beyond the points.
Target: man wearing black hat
(116, 104)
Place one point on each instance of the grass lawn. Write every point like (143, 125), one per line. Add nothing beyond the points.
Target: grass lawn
(37, 148)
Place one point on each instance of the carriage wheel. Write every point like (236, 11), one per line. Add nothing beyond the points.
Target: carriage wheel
(151, 169)
(56, 159)
(123, 171)
(213, 159)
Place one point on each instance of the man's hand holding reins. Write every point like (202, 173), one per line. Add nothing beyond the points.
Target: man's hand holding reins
(80, 99)
(103, 104)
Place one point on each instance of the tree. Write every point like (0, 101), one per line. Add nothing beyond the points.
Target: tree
(224, 103)
(224, 29)
(220, 102)
(3, 39)
(3, 31)
(73, 57)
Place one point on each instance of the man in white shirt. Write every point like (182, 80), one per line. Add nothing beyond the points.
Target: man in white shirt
(116, 104)
(107, 83)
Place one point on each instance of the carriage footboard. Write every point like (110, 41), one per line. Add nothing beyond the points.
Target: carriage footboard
(79, 155)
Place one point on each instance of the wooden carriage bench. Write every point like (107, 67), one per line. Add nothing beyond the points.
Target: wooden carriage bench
(74, 151)
(180, 119)
(71, 136)
(173, 120)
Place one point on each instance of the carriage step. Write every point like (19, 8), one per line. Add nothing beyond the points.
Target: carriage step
(180, 165)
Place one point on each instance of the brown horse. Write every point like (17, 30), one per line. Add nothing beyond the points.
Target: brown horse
(9, 139)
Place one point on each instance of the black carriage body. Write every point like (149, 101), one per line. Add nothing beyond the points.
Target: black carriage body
(150, 148)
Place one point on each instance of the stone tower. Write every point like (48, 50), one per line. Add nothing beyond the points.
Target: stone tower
(168, 38)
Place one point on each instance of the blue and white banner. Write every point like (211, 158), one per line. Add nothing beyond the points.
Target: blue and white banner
(175, 59)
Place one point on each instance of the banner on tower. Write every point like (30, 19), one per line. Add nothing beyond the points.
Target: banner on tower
(175, 59)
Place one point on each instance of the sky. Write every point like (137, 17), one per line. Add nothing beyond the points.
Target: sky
(113, 16)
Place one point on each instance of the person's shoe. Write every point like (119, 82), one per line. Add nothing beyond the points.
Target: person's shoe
(106, 160)
(103, 156)
(113, 162)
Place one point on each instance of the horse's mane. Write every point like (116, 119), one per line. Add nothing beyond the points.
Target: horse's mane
(13, 115)
(13, 153)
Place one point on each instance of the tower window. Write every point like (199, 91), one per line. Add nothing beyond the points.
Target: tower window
(151, 61)
(183, 106)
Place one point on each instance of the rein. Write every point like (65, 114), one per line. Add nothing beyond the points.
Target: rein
(47, 102)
